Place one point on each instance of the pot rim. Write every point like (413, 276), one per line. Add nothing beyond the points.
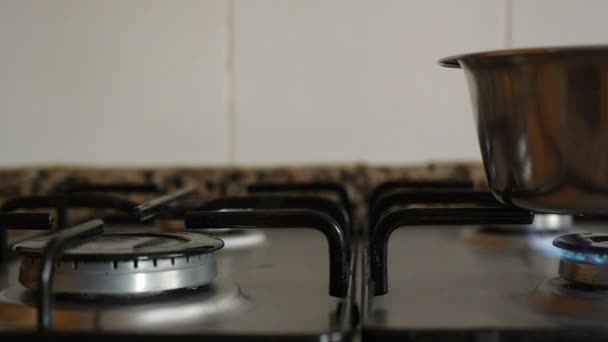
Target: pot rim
(498, 55)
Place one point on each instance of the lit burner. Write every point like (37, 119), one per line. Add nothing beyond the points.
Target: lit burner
(584, 258)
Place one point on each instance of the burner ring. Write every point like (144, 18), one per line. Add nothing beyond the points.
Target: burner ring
(582, 273)
(596, 243)
(584, 258)
(129, 246)
(120, 264)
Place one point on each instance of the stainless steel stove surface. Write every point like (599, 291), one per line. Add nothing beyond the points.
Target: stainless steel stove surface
(410, 260)
(245, 276)
(457, 273)
(437, 279)
(283, 291)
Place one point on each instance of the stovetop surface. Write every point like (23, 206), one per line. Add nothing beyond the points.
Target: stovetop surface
(277, 288)
(454, 279)
(444, 282)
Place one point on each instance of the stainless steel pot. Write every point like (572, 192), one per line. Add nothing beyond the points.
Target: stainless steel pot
(542, 124)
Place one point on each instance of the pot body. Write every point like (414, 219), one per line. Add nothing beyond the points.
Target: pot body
(542, 124)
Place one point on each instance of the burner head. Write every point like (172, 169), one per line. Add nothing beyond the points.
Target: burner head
(126, 263)
(584, 258)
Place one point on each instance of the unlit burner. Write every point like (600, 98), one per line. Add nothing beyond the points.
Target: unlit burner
(584, 258)
(126, 263)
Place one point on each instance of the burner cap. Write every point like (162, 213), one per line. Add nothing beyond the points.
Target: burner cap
(581, 273)
(594, 243)
(126, 263)
(584, 258)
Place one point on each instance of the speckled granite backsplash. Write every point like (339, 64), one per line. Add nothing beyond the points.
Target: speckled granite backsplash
(214, 182)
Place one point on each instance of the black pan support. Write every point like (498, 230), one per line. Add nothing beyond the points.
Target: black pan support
(418, 184)
(94, 200)
(25, 221)
(63, 202)
(60, 241)
(281, 219)
(278, 202)
(431, 216)
(153, 207)
(71, 187)
(33, 221)
(337, 189)
(428, 196)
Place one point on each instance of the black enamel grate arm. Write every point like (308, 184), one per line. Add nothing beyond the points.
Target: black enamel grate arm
(417, 185)
(337, 189)
(444, 216)
(60, 241)
(281, 219)
(429, 196)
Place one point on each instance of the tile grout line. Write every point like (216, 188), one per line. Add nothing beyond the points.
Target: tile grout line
(508, 23)
(230, 80)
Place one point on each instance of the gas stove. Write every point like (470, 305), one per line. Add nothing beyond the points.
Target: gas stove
(257, 255)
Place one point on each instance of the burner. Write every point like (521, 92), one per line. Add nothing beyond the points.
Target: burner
(126, 263)
(584, 258)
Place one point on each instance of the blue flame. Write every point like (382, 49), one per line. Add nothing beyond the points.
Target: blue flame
(600, 259)
(545, 245)
(587, 258)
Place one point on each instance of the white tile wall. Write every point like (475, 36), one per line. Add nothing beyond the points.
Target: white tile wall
(356, 80)
(559, 22)
(112, 82)
(263, 81)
